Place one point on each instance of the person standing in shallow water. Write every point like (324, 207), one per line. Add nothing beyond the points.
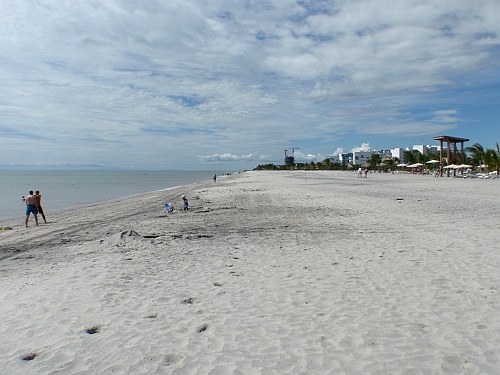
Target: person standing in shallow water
(31, 206)
(39, 208)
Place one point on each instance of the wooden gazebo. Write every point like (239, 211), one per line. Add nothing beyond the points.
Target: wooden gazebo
(453, 155)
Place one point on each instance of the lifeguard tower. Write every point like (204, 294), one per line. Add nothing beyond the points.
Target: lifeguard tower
(453, 154)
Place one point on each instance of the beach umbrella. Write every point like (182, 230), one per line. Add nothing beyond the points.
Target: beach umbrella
(433, 162)
(414, 165)
(401, 165)
(419, 165)
(449, 167)
(463, 166)
(381, 166)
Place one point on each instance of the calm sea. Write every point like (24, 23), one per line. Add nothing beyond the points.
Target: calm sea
(65, 189)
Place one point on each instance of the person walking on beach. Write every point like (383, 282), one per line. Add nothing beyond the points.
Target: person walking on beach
(39, 208)
(31, 207)
(186, 203)
(360, 172)
(215, 177)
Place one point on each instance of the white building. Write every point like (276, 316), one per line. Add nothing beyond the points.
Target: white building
(384, 154)
(420, 148)
(346, 158)
(361, 157)
(427, 149)
(399, 153)
(432, 149)
(335, 158)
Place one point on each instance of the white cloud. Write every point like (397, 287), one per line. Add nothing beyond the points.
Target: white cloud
(448, 116)
(231, 157)
(124, 82)
(339, 151)
(364, 147)
(300, 156)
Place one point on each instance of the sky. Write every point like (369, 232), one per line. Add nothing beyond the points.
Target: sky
(228, 85)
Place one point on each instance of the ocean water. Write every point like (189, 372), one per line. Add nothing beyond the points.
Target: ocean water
(66, 189)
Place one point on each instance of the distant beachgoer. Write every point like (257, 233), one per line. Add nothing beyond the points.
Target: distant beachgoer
(360, 172)
(186, 203)
(366, 172)
(30, 201)
(168, 208)
(39, 208)
(215, 178)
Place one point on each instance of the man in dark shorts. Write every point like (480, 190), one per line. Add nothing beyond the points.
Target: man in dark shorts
(39, 208)
(31, 207)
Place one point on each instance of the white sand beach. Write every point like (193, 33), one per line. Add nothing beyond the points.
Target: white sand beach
(269, 273)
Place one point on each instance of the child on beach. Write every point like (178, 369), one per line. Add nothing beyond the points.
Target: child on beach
(168, 208)
(186, 203)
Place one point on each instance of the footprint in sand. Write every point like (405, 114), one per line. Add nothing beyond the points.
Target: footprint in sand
(29, 357)
(170, 359)
(188, 301)
(93, 330)
(202, 328)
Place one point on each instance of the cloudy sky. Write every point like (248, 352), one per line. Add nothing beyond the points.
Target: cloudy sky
(194, 84)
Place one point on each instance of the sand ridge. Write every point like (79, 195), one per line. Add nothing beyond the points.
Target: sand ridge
(269, 273)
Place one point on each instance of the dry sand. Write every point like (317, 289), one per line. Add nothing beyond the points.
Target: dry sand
(269, 273)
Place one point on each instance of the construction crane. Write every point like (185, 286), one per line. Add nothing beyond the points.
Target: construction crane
(290, 160)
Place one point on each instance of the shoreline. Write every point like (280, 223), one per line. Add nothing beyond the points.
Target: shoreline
(270, 272)
(44, 234)
(68, 189)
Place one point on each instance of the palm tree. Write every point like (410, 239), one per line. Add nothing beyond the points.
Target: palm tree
(421, 158)
(413, 156)
(392, 163)
(477, 153)
(409, 157)
(375, 160)
(498, 161)
(491, 159)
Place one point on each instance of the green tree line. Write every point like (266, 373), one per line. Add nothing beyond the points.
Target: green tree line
(476, 155)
